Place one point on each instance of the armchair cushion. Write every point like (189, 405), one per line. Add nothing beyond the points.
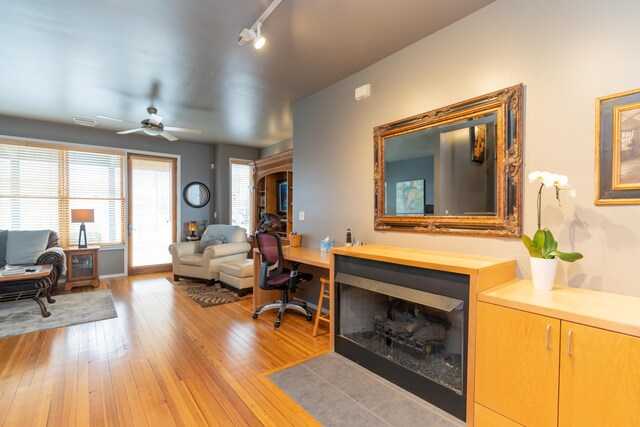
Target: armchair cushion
(208, 240)
(24, 246)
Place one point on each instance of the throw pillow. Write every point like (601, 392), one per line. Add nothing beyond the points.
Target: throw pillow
(207, 241)
(3, 247)
(23, 247)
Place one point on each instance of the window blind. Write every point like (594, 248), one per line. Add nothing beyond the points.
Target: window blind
(41, 183)
(241, 173)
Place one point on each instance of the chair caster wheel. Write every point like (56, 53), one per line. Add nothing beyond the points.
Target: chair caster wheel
(276, 325)
(254, 315)
(309, 318)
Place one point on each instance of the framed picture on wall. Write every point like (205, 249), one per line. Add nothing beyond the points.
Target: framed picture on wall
(618, 149)
(282, 197)
(478, 136)
(410, 197)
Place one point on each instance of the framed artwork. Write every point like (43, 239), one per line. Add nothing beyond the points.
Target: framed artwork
(410, 197)
(618, 149)
(478, 138)
(282, 197)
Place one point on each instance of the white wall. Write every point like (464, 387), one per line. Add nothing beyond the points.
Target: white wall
(567, 53)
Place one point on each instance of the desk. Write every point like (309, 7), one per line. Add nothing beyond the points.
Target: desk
(303, 255)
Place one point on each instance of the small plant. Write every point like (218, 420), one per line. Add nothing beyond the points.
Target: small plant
(543, 244)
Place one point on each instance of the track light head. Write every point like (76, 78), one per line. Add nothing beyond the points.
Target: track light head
(259, 40)
(255, 32)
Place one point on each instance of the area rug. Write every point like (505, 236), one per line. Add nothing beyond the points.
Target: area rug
(206, 295)
(23, 316)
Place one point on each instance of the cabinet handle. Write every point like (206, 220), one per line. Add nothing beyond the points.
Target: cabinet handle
(548, 333)
(569, 342)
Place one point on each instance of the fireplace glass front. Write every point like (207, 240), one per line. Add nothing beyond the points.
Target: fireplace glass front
(425, 336)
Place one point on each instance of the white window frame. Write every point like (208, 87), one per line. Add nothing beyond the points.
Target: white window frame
(249, 163)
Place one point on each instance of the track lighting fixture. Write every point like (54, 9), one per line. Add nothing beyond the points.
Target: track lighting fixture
(255, 32)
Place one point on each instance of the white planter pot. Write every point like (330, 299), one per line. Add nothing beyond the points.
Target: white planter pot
(544, 273)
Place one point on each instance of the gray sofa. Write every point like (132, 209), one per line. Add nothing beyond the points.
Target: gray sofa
(33, 247)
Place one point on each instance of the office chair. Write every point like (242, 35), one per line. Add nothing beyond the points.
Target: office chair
(268, 221)
(273, 276)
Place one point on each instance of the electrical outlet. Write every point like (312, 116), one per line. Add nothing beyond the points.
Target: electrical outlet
(215, 215)
(301, 215)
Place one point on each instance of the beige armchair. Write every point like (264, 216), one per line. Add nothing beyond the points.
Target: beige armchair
(190, 263)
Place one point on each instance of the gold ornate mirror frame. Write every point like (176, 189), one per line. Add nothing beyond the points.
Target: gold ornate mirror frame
(504, 109)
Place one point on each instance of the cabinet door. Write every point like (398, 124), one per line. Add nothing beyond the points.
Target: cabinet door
(599, 377)
(517, 364)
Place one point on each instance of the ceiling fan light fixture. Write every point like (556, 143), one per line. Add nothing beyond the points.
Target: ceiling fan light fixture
(152, 132)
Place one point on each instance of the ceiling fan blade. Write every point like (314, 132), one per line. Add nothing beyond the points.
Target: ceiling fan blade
(175, 129)
(116, 120)
(155, 119)
(125, 132)
(169, 136)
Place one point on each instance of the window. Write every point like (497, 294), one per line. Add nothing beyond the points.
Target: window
(41, 183)
(241, 173)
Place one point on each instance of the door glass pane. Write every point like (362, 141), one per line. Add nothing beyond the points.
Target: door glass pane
(151, 211)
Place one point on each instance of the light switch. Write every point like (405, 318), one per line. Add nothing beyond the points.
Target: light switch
(301, 215)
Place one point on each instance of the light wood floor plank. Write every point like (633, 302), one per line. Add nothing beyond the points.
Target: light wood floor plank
(164, 361)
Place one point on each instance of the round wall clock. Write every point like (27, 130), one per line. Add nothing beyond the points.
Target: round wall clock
(196, 194)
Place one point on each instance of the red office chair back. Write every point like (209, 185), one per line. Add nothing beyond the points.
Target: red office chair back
(272, 266)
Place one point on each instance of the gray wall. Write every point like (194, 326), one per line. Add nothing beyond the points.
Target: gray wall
(279, 147)
(566, 53)
(195, 158)
(224, 152)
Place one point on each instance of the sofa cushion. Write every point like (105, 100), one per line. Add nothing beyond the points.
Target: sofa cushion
(24, 246)
(3, 247)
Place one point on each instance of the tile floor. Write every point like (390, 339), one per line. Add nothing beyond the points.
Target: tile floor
(339, 392)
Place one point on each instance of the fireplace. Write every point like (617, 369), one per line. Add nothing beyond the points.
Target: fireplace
(406, 324)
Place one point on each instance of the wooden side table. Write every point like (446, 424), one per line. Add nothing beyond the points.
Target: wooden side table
(82, 267)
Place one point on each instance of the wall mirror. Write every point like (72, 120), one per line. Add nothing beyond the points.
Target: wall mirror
(196, 194)
(456, 169)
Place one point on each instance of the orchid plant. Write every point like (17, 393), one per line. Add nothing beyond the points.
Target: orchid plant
(543, 244)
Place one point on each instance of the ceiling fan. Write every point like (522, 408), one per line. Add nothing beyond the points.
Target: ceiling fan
(153, 126)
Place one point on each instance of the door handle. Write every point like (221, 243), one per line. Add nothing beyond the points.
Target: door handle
(548, 334)
(569, 342)
(130, 229)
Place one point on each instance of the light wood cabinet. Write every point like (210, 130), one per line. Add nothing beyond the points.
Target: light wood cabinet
(536, 368)
(517, 356)
(270, 174)
(599, 378)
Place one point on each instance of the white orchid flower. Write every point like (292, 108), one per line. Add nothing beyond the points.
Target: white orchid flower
(535, 176)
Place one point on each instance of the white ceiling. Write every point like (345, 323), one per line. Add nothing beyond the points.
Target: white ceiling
(66, 58)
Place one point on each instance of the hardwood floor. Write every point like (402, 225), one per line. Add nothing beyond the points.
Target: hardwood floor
(163, 361)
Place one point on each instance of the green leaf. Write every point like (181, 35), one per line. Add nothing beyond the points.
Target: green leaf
(538, 239)
(531, 247)
(549, 244)
(567, 256)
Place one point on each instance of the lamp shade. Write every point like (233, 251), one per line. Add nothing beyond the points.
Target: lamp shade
(81, 215)
(192, 226)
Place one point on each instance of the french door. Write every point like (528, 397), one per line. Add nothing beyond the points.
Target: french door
(152, 212)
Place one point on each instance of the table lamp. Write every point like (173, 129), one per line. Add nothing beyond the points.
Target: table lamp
(82, 216)
(193, 226)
